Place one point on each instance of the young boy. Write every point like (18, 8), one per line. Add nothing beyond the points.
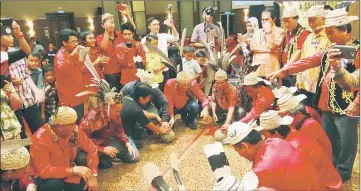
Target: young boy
(33, 61)
(201, 59)
(51, 95)
(190, 66)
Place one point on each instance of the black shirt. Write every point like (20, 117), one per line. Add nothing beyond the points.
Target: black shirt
(132, 114)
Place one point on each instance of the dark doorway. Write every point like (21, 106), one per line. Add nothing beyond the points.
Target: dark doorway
(58, 22)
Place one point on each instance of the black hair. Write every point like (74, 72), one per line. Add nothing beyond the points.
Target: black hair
(151, 37)
(343, 28)
(127, 26)
(150, 20)
(259, 84)
(142, 90)
(201, 53)
(272, 11)
(188, 48)
(327, 7)
(66, 33)
(283, 130)
(252, 138)
(47, 68)
(83, 36)
(51, 43)
(35, 54)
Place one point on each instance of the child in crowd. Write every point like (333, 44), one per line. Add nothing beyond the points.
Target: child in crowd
(44, 62)
(51, 96)
(201, 58)
(190, 66)
(33, 62)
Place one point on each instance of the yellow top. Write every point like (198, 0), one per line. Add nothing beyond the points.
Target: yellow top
(313, 44)
(154, 61)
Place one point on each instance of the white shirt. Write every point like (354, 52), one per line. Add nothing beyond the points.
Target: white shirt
(163, 39)
(191, 67)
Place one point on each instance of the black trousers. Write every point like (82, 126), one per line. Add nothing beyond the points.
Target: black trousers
(165, 79)
(79, 109)
(113, 80)
(289, 81)
(32, 117)
(57, 184)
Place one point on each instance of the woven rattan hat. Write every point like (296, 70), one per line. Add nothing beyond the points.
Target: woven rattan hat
(279, 92)
(289, 12)
(146, 77)
(251, 79)
(183, 78)
(270, 120)
(220, 75)
(289, 103)
(316, 11)
(338, 17)
(16, 158)
(65, 116)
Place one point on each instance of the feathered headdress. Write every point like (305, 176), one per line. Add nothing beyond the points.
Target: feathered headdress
(222, 59)
(154, 49)
(105, 93)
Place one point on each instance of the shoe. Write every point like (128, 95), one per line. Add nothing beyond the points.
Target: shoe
(193, 125)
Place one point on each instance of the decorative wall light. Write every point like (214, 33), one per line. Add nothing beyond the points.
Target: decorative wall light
(31, 28)
(91, 23)
(245, 11)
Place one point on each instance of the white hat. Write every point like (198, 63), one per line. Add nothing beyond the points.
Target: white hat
(183, 78)
(220, 75)
(338, 17)
(316, 11)
(66, 115)
(106, 16)
(146, 77)
(237, 132)
(289, 12)
(279, 92)
(270, 120)
(16, 158)
(289, 102)
(252, 79)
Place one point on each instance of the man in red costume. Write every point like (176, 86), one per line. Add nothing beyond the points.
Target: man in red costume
(54, 154)
(67, 67)
(179, 93)
(275, 126)
(290, 105)
(277, 163)
(262, 96)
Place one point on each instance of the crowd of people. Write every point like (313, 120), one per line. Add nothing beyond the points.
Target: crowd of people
(293, 109)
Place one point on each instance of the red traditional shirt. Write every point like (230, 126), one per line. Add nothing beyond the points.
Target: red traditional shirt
(87, 76)
(313, 129)
(313, 113)
(178, 99)
(126, 60)
(310, 149)
(261, 103)
(97, 119)
(53, 157)
(225, 97)
(294, 40)
(69, 80)
(280, 166)
(112, 67)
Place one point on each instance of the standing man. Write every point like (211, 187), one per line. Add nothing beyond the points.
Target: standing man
(209, 33)
(294, 39)
(316, 42)
(337, 104)
(163, 39)
(68, 70)
(266, 43)
(51, 53)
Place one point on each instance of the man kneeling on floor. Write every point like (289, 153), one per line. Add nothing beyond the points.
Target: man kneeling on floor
(54, 153)
(104, 127)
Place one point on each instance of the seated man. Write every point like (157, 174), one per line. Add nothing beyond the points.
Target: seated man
(277, 163)
(54, 155)
(158, 104)
(106, 130)
(136, 121)
(290, 105)
(275, 126)
(180, 93)
(261, 95)
(14, 169)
